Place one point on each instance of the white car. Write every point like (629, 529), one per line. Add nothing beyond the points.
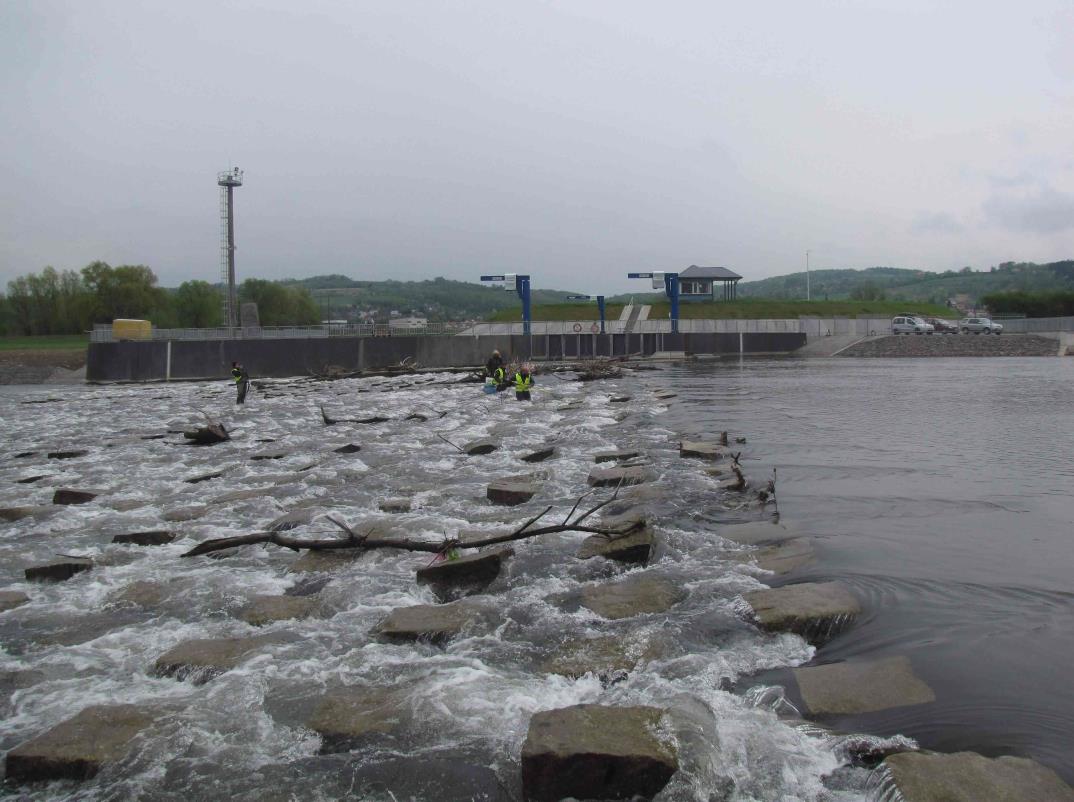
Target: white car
(980, 325)
(904, 324)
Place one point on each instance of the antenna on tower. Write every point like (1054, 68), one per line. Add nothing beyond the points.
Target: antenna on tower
(227, 181)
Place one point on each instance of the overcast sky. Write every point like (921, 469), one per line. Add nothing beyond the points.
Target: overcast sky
(572, 140)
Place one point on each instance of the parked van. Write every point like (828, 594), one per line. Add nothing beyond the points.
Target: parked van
(904, 324)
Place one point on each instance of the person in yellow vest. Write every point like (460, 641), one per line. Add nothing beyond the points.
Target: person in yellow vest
(242, 382)
(523, 383)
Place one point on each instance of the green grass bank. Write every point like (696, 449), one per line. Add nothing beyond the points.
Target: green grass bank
(54, 342)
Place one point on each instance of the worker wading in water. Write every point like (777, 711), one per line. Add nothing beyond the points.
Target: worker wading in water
(523, 383)
(495, 376)
(242, 382)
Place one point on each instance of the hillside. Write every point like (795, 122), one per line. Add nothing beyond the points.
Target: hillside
(899, 284)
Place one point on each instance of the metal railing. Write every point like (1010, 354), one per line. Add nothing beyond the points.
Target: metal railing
(811, 326)
(1028, 325)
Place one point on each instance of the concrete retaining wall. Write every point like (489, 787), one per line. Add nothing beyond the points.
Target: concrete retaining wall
(197, 359)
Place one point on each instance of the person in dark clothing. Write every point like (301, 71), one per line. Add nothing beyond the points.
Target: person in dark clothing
(495, 363)
(523, 383)
(242, 382)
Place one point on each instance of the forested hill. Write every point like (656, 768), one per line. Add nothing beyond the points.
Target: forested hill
(437, 299)
(893, 283)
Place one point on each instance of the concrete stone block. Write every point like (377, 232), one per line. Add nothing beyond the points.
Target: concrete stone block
(262, 610)
(596, 752)
(202, 659)
(78, 748)
(619, 455)
(701, 450)
(632, 596)
(634, 547)
(152, 538)
(478, 447)
(465, 576)
(10, 599)
(343, 718)
(619, 476)
(59, 571)
(861, 686)
(436, 623)
(512, 491)
(817, 610)
(969, 777)
(540, 454)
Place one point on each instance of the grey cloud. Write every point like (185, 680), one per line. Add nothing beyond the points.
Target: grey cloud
(936, 223)
(1043, 211)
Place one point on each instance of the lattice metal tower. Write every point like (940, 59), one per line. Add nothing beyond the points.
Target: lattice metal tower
(227, 181)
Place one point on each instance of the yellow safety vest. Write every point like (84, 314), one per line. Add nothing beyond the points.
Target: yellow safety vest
(523, 385)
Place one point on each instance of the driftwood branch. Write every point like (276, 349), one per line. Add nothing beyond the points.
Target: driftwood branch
(449, 442)
(356, 540)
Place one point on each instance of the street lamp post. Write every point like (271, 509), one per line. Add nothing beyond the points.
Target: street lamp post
(807, 295)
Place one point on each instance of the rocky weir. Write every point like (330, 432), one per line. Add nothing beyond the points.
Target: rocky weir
(615, 663)
(951, 345)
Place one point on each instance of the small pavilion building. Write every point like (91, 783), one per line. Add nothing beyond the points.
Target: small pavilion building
(699, 284)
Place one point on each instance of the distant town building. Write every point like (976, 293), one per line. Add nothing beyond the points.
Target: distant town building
(408, 322)
(699, 284)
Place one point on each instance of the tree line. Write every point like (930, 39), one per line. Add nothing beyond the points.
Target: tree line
(1059, 303)
(71, 302)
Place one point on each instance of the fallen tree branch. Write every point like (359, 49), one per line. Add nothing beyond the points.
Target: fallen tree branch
(449, 442)
(355, 540)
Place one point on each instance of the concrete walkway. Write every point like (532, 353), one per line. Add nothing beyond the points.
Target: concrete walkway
(830, 346)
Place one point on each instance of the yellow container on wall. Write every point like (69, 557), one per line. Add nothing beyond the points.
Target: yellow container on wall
(123, 329)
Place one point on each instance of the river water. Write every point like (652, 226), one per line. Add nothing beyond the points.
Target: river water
(938, 490)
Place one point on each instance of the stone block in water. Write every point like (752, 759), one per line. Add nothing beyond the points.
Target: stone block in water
(700, 450)
(861, 686)
(66, 495)
(395, 505)
(478, 447)
(969, 777)
(157, 537)
(614, 456)
(632, 596)
(10, 599)
(596, 752)
(612, 477)
(605, 656)
(78, 748)
(344, 717)
(435, 623)
(512, 490)
(633, 547)
(785, 557)
(67, 454)
(12, 514)
(816, 610)
(202, 659)
(325, 561)
(540, 454)
(755, 532)
(59, 571)
(267, 609)
(453, 579)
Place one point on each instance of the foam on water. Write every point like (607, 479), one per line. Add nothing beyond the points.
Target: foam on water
(472, 697)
